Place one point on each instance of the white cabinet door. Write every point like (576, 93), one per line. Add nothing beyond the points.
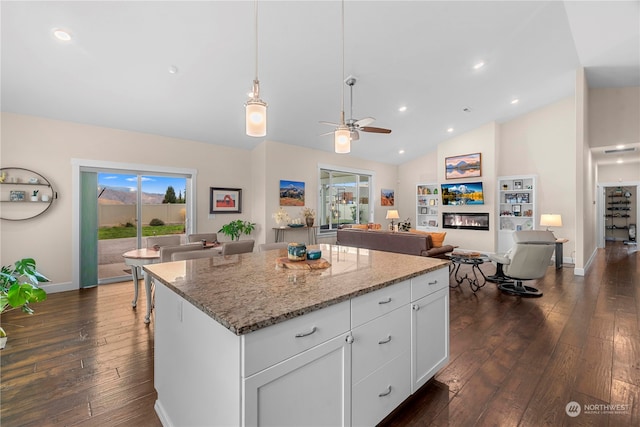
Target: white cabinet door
(311, 388)
(430, 336)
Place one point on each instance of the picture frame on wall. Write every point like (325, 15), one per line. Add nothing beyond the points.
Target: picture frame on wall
(423, 211)
(225, 200)
(16, 196)
(387, 197)
(291, 193)
(465, 166)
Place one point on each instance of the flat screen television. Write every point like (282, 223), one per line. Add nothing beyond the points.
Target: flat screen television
(464, 193)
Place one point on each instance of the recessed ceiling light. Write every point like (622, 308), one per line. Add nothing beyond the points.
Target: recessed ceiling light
(619, 161)
(450, 130)
(478, 65)
(515, 101)
(401, 152)
(619, 146)
(61, 34)
(173, 69)
(402, 109)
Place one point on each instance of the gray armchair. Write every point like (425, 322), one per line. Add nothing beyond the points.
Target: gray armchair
(167, 251)
(237, 247)
(528, 259)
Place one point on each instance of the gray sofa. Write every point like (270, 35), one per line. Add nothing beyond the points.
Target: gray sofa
(400, 242)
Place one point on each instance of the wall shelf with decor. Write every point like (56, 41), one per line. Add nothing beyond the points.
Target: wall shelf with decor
(517, 207)
(619, 213)
(427, 207)
(24, 194)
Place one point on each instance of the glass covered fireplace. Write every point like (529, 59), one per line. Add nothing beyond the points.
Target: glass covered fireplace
(466, 221)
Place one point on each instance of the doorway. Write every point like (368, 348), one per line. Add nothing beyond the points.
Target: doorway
(117, 206)
(619, 207)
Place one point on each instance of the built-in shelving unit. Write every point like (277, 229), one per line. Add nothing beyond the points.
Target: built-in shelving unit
(620, 212)
(517, 208)
(427, 207)
(24, 194)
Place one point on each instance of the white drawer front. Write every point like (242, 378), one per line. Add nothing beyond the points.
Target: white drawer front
(273, 344)
(381, 392)
(379, 341)
(369, 306)
(429, 283)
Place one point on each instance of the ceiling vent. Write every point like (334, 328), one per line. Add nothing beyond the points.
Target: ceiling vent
(619, 150)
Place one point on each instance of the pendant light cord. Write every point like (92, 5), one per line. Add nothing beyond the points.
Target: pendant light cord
(256, 21)
(342, 77)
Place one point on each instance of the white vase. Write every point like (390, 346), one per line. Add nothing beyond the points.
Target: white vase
(34, 198)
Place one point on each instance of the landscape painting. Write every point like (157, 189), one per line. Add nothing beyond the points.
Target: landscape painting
(466, 166)
(387, 197)
(291, 193)
(225, 200)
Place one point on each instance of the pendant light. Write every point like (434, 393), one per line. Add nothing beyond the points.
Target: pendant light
(342, 134)
(256, 108)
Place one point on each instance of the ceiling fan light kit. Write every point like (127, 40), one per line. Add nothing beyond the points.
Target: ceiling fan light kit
(256, 108)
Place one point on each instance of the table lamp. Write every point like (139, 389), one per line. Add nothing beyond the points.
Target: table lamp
(392, 214)
(550, 220)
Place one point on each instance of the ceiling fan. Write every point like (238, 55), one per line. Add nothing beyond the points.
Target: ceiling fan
(356, 125)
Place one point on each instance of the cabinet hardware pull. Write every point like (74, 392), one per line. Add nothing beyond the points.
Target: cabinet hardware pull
(386, 393)
(415, 307)
(349, 339)
(385, 302)
(306, 334)
(435, 282)
(386, 340)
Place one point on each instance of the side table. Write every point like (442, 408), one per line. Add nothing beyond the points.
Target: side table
(475, 261)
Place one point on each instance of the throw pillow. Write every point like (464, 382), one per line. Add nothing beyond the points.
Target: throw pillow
(359, 226)
(436, 237)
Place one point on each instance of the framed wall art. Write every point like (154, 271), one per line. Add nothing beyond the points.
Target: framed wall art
(387, 197)
(291, 193)
(225, 200)
(466, 166)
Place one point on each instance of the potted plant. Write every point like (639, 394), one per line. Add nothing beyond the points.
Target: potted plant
(19, 288)
(34, 196)
(236, 228)
(309, 216)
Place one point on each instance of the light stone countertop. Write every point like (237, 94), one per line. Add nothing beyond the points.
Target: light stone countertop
(247, 292)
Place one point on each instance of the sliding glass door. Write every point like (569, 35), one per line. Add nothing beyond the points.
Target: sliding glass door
(119, 210)
(344, 199)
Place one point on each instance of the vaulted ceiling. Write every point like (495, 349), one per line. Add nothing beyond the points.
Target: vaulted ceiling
(183, 69)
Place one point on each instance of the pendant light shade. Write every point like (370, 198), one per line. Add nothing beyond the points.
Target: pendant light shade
(256, 108)
(256, 113)
(342, 140)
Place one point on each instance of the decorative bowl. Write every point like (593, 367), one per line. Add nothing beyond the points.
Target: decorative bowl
(296, 251)
(314, 254)
(296, 225)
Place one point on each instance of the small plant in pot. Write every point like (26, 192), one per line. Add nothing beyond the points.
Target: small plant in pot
(236, 228)
(19, 288)
(309, 216)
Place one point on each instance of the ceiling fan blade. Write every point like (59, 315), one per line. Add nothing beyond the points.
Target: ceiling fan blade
(354, 135)
(327, 133)
(374, 129)
(364, 122)
(329, 123)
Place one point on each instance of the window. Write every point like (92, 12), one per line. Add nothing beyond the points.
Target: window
(344, 198)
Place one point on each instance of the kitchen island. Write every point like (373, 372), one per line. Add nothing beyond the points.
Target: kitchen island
(239, 341)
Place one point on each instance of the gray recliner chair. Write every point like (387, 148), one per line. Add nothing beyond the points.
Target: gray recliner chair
(528, 259)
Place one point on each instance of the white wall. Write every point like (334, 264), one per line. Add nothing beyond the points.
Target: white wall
(613, 116)
(543, 143)
(47, 147)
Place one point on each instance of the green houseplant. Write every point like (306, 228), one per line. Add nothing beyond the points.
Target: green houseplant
(19, 288)
(236, 228)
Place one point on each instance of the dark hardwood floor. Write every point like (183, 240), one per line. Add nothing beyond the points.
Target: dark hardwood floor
(86, 357)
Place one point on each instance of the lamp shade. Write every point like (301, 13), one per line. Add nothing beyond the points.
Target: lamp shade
(551, 220)
(256, 117)
(392, 214)
(342, 140)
